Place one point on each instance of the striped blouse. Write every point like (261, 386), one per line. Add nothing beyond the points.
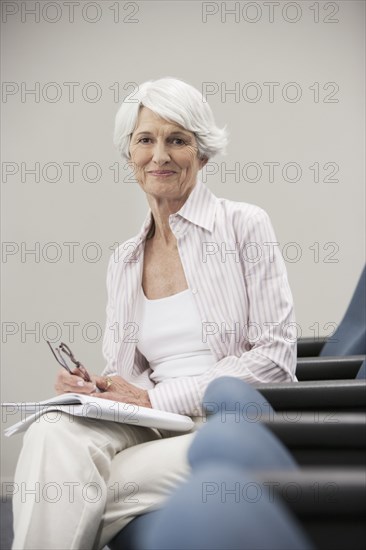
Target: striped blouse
(237, 275)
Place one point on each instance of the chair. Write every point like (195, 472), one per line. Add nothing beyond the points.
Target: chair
(223, 504)
(225, 453)
(330, 504)
(331, 520)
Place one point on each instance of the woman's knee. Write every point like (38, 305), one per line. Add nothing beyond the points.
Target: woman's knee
(52, 427)
(155, 466)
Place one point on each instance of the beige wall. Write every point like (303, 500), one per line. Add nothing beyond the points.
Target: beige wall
(318, 58)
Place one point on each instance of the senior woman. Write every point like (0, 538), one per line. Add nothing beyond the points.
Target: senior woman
(200, 292)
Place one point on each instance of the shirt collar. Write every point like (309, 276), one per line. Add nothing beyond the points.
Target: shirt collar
(199, 209)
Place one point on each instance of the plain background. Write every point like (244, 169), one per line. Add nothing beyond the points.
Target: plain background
(319, 220)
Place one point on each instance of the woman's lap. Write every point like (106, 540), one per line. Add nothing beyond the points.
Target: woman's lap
(104, 474)
(142, 477)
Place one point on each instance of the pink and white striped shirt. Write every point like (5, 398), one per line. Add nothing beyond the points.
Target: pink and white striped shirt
(237, 275)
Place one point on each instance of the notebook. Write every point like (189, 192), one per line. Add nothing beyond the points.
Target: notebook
(85, 406)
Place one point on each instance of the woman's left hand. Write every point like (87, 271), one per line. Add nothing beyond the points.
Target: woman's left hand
(116, 388)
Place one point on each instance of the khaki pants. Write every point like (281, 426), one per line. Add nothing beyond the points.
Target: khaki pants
(81, 480)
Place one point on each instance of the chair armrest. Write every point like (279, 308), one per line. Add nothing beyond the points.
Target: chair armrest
(316, 395)
(328, 368)
(320, 493)
(319, 429)
(310, 347)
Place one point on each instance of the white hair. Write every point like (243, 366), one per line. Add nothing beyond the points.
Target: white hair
(175, 101)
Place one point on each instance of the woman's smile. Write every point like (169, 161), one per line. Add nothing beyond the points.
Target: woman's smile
(161, 173)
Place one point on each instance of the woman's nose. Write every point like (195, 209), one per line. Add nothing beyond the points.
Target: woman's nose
(160, 153)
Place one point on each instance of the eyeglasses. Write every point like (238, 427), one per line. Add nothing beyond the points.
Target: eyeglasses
(62, 360)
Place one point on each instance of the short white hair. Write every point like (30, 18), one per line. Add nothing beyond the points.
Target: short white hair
(175, 101)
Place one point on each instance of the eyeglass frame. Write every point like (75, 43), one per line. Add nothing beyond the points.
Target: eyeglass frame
(61, 360)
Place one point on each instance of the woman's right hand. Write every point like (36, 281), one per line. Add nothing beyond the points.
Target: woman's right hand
(66, 383)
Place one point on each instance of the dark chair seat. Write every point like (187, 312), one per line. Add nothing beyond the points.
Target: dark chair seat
(328, 368)
(310, 347)
(329, 503)
(328, 395)
(321, 438)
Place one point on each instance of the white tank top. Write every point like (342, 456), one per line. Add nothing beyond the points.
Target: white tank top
(170, 336)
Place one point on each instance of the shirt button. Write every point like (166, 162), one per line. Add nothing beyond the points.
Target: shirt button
(194, 291)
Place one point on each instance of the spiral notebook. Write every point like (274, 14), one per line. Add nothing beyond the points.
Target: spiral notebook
(80, 405)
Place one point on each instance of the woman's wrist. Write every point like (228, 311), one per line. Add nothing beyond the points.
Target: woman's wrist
(146, 400)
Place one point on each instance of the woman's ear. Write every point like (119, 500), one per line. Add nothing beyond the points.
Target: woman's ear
(203, 162)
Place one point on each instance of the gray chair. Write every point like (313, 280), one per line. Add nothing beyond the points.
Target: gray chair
(223, 504)
(331, 520)
(227, 452)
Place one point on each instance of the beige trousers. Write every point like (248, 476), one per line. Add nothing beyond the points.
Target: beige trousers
(80, 481)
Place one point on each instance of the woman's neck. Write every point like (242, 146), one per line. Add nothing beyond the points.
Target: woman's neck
(161, 210)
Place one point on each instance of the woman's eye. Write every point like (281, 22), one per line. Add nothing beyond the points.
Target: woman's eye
(175, 141)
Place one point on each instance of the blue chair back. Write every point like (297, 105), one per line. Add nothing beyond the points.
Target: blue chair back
(350, 336)
(361, 375)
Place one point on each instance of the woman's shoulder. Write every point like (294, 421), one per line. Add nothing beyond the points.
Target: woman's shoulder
(124, 254)
(128, 250)
(241, 212)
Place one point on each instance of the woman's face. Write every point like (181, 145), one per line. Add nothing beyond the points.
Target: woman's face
(164, 157)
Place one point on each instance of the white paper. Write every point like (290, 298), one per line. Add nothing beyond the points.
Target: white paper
(85, 406)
